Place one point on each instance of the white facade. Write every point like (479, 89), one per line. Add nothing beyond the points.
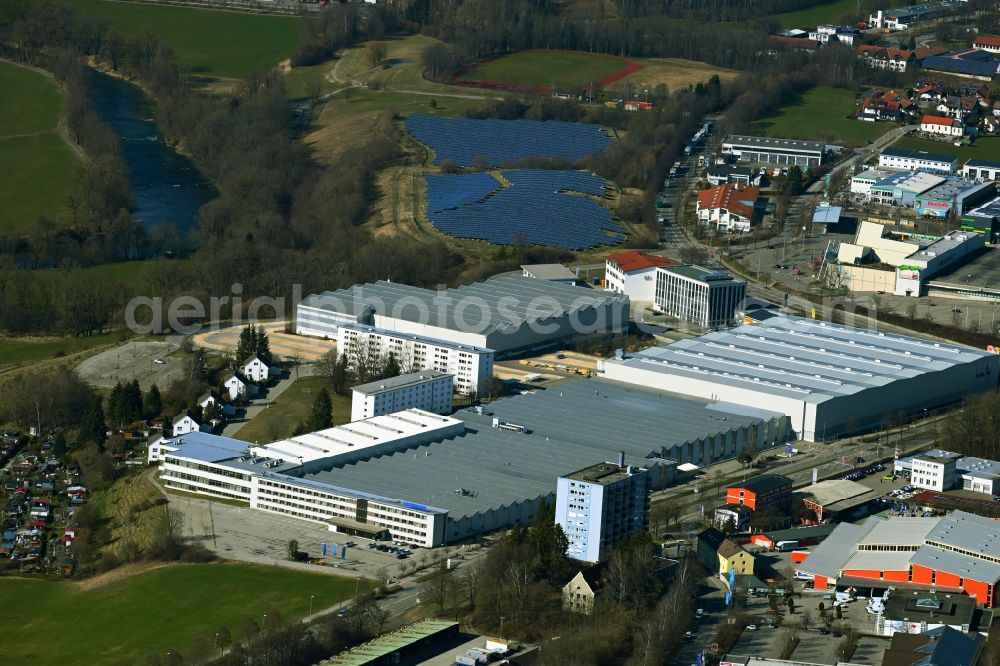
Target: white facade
(981, 170)
(239, 389)
(913, 160)
(700, 296)
(186, 424)
(256, 370)
(951, 129)
(829, 379)
(934, 472)
(638, 285)
(861, 183)
(430, 391)
(472, 367)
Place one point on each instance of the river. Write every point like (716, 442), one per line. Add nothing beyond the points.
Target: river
(166, 188)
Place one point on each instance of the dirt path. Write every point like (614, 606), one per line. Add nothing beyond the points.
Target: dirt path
(61, 127)
(120, 573)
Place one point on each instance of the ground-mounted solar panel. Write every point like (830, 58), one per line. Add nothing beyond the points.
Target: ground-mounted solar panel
(534, 207)
(465, 141)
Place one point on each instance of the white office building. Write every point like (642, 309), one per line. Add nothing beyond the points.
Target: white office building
(471, 367)
(699, 295)
(830, 380)
(934, 470)
(600, 506)
(978, 475)
(901, 159)
(429, 390)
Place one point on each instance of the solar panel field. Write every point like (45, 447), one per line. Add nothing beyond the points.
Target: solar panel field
(536, 207)
(462, 140)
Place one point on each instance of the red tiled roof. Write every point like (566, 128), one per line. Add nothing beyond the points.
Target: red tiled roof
(987, 40)
(731, 197)
(866, 49)
(929, 51)
(633, 260)
(793, 42)
(936, 120)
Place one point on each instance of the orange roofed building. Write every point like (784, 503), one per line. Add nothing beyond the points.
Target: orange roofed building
(633, 273)
(729, 207)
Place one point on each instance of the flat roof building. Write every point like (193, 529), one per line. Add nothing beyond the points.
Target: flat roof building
(429, 390)
(706, 297)
(429, 480)
(505, 313)
(600, 506)
(769, 150)
(977, 475)
(913, 160)
(551, 272)
(829, 379)
(833, 498)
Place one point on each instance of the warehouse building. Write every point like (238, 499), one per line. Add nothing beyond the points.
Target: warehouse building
(981, 170)
(861, 183)
(707, 298)
(428, 479)
(836, 500)
(472, 367)
(985, 220)
(429, 390)
(506, 314)
(768, 150)
(959, 553)
(830, 380)
(913, 160)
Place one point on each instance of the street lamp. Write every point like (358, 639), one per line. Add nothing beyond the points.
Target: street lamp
(218, 642)
(501, 626)
(311, 597)
(263, 624)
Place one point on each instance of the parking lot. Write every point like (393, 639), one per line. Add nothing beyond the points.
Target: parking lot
(151, 362)
(245, 534)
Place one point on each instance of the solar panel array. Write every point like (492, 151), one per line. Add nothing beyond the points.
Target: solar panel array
(535, 208)
(462, 140)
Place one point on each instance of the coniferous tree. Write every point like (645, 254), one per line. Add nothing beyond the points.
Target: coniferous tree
(321, 416)
(391, 368)
(93, 429)
(262, 346)
(341, 376)
(153, 402)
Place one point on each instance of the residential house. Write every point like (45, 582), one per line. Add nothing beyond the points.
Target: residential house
(185, 423)
(932, 89)
(719, 174)
(239, 387)
(950, 127)
(210, 398)
(884, 105)
(881, 57)
(579, 594)
(257, 371)
(739, 514)
(990, 124)
(718, 554)
(989, 43)
(729, 207)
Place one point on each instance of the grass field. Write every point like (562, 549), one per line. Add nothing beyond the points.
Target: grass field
(829, 12)
(47, 168)
(820, 114)
(541, 68)
(152, 612)
(15, 350)
(674, 73)
(291, 408)
(986, 148)
(212, 43)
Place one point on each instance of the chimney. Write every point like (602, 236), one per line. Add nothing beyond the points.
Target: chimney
(621, 458)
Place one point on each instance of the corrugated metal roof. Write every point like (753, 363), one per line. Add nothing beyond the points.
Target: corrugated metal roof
(398, 382)
(383, 646)
(800, 358)
(963, 566)
(828, 558)
(968, 532)
(499, 303)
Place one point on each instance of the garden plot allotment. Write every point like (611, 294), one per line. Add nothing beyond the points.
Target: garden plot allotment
(537, 207)
(499, 142)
